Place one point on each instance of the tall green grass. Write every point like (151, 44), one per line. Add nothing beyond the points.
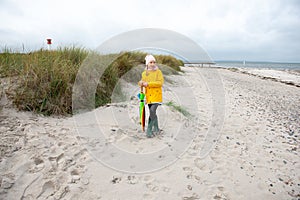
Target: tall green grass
(45, 78)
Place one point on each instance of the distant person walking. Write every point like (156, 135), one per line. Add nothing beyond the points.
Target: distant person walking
(152, 80)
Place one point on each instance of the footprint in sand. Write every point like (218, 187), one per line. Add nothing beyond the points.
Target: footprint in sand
(132, 180)
(81, 154)
(75, 172)
(7, 181)
(166, 189)
(75, 179)
(116, 180)
(201, 164)
(148, 196)
(68, 162)
(38, 165)
(152, 187)
(194, 150)
(187, 169)
(47, 190)
(148, 179)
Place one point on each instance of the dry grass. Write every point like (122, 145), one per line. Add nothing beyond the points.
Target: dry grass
(45, 78)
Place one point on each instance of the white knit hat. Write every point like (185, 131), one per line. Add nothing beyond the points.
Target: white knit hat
(149, 58)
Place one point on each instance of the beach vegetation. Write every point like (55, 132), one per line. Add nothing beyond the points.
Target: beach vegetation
(178, 108)
(42, 81)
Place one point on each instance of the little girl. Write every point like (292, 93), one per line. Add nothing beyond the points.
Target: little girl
(152, 81)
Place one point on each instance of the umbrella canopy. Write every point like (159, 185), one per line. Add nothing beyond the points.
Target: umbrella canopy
(142, 108)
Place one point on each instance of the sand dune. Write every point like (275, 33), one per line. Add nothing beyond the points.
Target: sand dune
(241, 141)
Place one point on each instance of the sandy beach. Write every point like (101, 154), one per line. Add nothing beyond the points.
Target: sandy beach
(239, 141)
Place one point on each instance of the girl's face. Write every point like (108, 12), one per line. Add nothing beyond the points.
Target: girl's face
(152, 64)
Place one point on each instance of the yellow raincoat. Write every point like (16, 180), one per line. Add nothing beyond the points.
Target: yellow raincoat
(155, 81)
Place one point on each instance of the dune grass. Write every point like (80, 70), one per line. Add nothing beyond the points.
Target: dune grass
(178, 108)
(44, 79)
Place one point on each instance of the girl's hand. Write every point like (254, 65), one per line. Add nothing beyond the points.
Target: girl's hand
(143, 83)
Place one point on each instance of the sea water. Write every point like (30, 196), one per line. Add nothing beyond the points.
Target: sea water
(259, 65)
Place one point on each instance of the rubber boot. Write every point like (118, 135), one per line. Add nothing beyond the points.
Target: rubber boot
(149, 128)
(155, 126)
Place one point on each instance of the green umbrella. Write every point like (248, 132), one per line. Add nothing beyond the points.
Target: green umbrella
(142, 108)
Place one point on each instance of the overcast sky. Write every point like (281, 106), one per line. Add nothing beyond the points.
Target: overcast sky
(261, 30)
